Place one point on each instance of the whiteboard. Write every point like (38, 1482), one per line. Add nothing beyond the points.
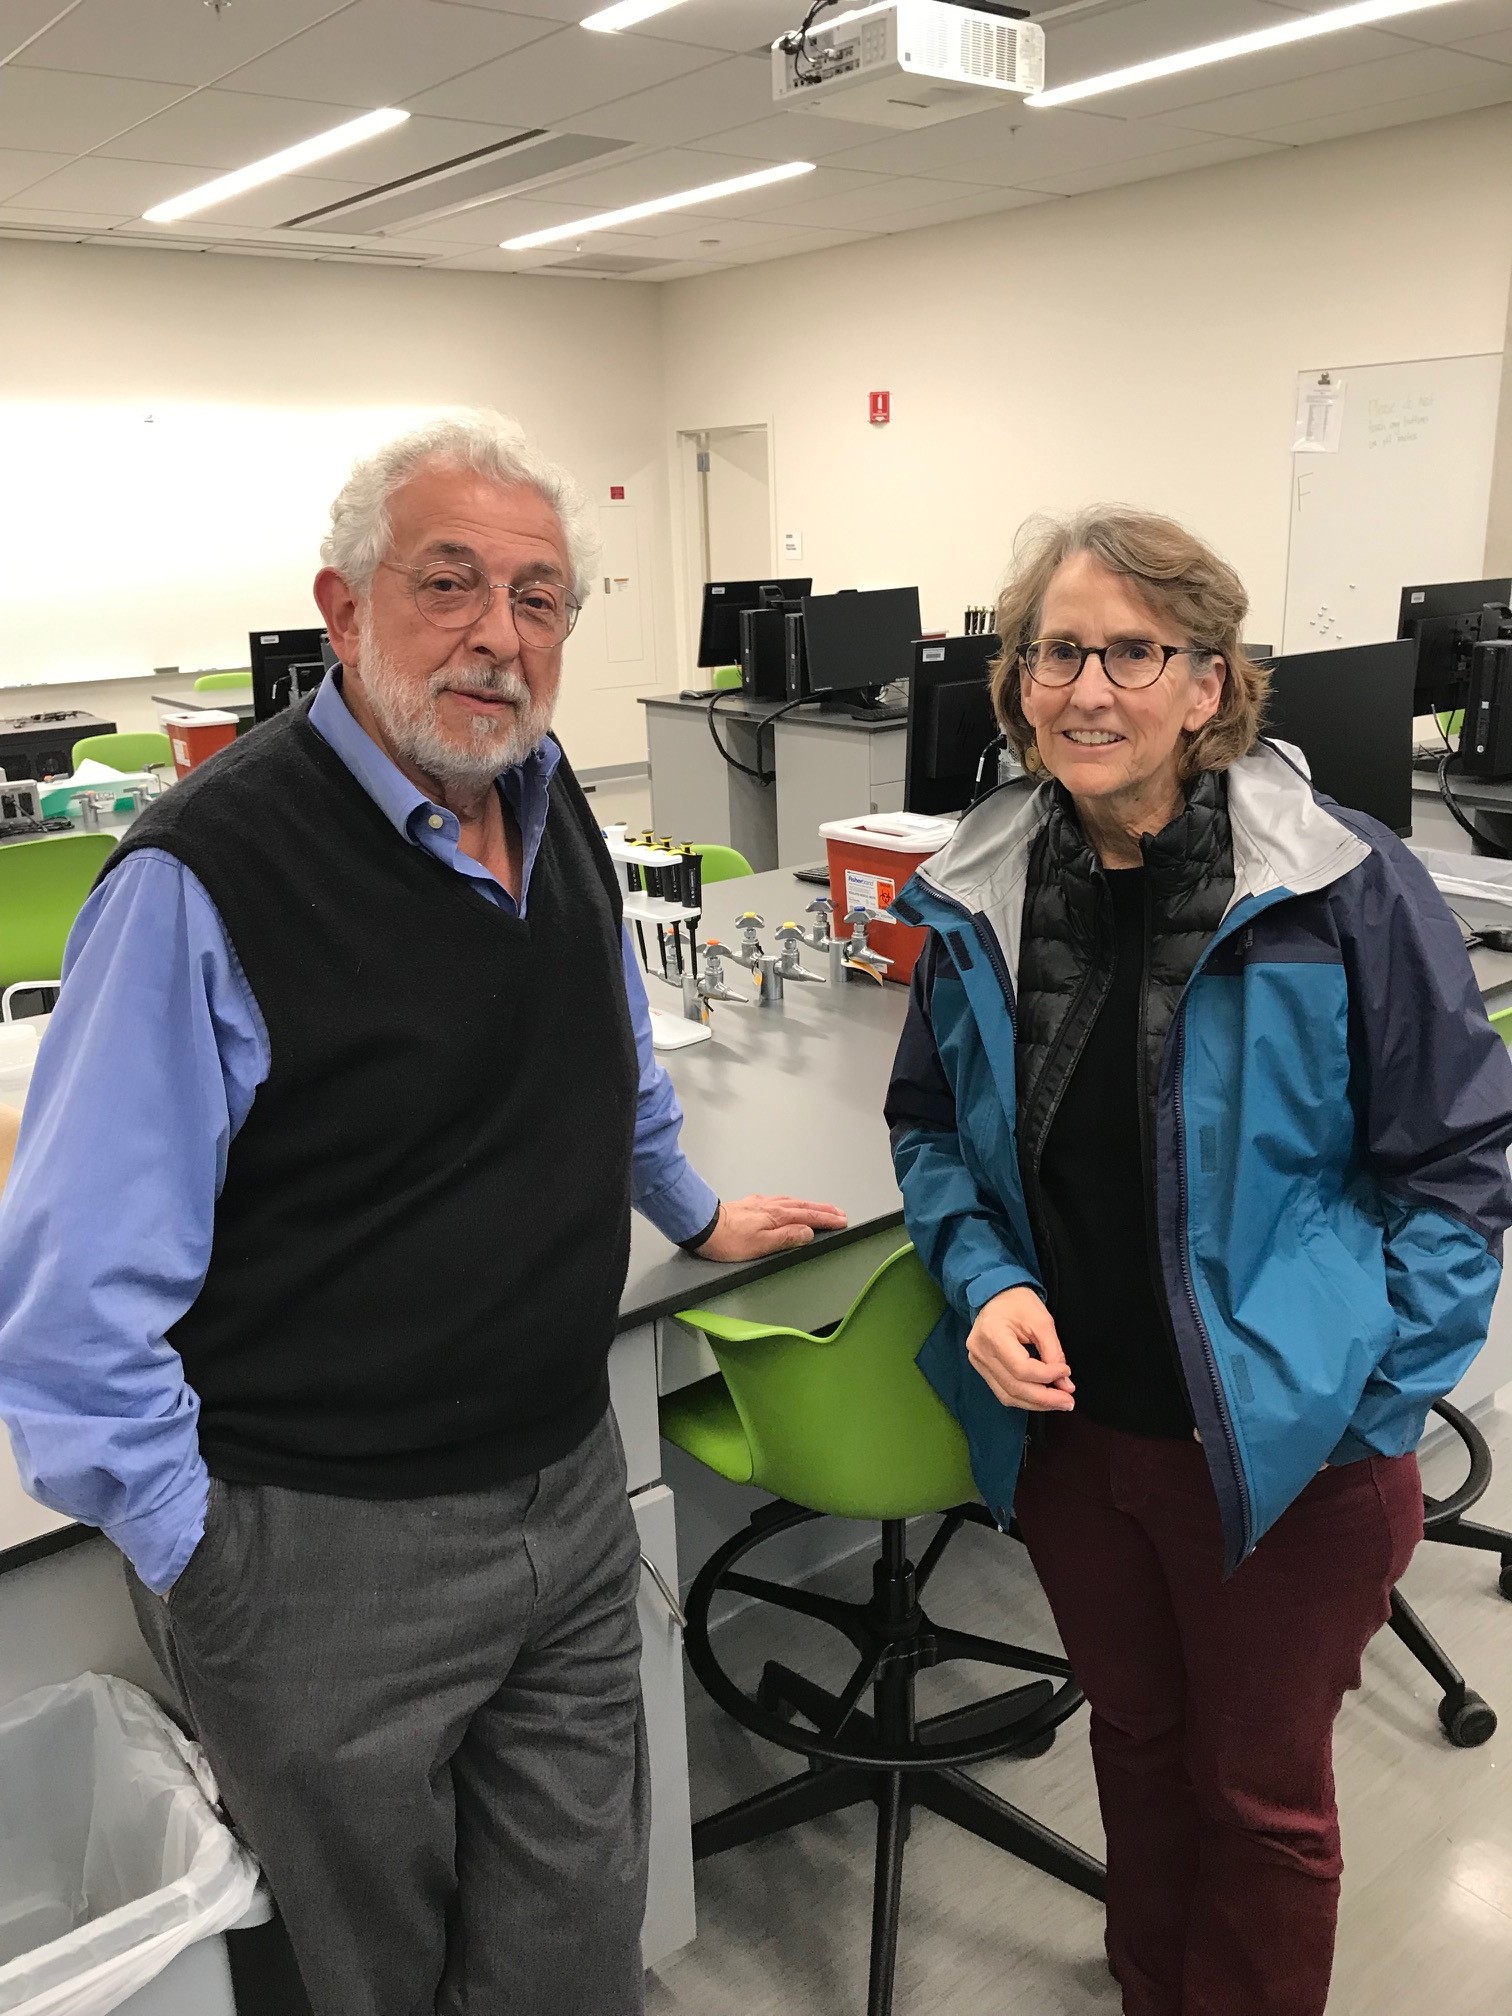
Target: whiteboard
(1404, 497)
(134, 538)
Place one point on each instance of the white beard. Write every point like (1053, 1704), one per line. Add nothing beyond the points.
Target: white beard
(407, 713)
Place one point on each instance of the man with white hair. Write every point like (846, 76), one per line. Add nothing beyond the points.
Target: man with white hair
(321, 1342)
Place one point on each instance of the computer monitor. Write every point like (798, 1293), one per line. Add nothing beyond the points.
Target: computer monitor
(1433, 616)
(719, 629)
(950, 723)
(1350, 713)
(860, 639)
(286, 664)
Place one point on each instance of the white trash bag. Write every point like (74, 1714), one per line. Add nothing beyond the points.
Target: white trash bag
(112, 1857)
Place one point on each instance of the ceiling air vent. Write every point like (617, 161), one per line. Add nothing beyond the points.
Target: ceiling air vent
(606, 264)
(459, 184)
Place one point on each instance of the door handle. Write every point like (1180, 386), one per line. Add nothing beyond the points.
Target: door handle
(668, 1595)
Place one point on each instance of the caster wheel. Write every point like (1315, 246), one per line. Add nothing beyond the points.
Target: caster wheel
(1504, 1580)
(1037, 1746)
(1468, 1722)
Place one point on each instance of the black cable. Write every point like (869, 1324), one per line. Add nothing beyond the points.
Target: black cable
(734, 762)
(796, 44)
(1472, 936)
(1482, 842)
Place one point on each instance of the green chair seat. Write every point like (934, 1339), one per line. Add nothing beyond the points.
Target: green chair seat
(843, 1423)
(224, 682)
(43, 884)
(721, 864)
(147, 750)
(725, 679)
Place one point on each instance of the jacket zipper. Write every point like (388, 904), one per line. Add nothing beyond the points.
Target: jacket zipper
(1146, 1149)
(1220, 1398)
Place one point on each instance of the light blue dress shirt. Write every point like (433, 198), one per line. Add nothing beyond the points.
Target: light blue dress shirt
(153, 1058)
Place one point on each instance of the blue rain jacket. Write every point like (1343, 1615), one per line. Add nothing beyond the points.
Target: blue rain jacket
(1333, 1118)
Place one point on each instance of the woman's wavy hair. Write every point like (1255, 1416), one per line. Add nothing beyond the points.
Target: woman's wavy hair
(1180, 580)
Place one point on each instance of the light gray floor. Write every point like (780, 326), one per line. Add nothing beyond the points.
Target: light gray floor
(1427, 1917)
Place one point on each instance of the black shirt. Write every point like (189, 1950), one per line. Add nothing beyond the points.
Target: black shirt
(1108, 1304)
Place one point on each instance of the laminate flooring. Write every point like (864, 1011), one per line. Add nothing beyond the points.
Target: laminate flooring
(1426, 1927)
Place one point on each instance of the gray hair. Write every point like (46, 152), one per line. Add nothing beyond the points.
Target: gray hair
(487, 443)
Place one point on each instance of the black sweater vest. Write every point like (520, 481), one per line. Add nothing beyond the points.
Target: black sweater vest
(422, 1238)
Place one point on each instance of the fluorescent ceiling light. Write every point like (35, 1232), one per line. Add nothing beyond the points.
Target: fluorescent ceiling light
(288, 162)
(625, 14)
(686, 199)
(1360, 15)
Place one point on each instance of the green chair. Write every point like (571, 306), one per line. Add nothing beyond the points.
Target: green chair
(43, 884)
(845, 1424)
(721, 864)
(146, 751)
(224, 682)
(725, 679)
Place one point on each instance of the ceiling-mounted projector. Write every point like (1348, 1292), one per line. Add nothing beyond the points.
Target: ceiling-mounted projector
(908, 62)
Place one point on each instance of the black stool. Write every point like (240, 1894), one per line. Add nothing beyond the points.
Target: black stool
(888, 1757)
(1468, 1720)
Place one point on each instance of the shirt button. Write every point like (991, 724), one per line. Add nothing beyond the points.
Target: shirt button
(435, 822)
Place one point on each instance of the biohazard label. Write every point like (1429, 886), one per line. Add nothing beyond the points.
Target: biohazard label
(868, 892)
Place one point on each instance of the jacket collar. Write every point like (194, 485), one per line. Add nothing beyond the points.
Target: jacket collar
(1285, 842)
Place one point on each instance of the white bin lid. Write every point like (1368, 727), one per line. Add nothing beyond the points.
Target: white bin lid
(894, 832)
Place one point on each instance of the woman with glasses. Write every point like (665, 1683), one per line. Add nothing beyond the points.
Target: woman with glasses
(1202, 1128)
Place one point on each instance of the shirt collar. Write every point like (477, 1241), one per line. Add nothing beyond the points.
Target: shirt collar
(385, 783)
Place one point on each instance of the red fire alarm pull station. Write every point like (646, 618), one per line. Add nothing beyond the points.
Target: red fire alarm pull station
(881, 408)
(616, 493)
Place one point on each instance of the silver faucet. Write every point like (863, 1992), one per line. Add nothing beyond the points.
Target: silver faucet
(791, 967)
(822, 938)
(860, 955)
(750, 925)
(711, 985)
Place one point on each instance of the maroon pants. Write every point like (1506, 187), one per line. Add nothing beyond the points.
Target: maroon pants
(1213, 1703)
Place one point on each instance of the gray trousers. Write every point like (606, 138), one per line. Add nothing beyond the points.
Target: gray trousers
(425, 1718)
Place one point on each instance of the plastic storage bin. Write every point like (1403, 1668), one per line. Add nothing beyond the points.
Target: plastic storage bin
(869, 861)
(198, 735)
(116, 1873)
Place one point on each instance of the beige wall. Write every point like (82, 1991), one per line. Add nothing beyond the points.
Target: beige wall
(1499, 523)
(1140, 344)
(579, 364)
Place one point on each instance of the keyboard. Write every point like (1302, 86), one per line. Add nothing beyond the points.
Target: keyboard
(32, 829)
(817, 871)
(890, 711)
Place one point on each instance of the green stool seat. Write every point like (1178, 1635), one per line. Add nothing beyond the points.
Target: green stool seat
(721, 864)
(224, 682)
(146, 750)
(840, 1421)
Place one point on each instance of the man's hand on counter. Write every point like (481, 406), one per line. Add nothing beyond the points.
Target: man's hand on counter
(749, 1227)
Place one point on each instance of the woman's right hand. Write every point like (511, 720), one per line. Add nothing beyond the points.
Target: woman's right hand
(1013, 1344)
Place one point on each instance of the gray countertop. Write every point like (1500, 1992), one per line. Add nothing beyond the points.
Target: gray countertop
(780, 1101)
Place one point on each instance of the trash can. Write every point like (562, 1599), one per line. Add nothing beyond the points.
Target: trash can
(117, 1874)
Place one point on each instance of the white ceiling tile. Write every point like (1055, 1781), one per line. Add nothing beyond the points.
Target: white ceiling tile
(1376, 118)
(873, 206)
(59, 113)
(1087, 44)
(22, 20)
(169, 40)
(59, 220)
(381, 52)
(227, 129)
(610, 185)
(101, 182)
(1010, 151)
(1110, 174)
(1304, 62)
(553, 80)
(559, 11)
(824, 184)
(990, 203)
(720, 24)
(795, 136)
(512, 217)
(1376, 83)
(1490, 48)
(20, 168)
(1448, 25)
(785, 244)
(729, 93)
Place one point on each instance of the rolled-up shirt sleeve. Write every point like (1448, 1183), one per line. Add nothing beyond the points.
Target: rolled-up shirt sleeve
(664, 1185)
(147, 1070)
